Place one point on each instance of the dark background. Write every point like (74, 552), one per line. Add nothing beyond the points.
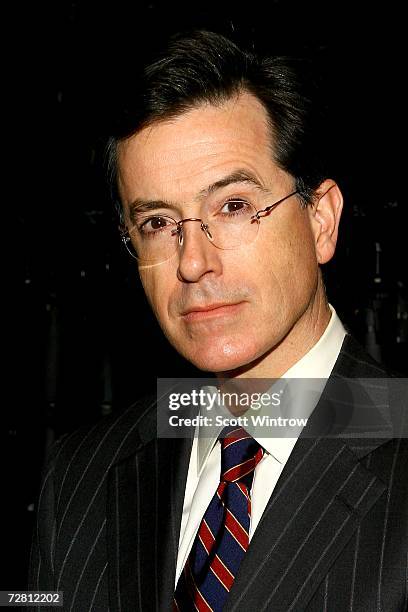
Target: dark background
(84, 342)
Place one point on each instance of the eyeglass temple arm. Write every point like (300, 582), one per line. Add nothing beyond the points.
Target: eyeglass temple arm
(272, 206)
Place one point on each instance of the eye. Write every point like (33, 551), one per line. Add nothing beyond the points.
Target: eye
(155, 224)
(234, 206)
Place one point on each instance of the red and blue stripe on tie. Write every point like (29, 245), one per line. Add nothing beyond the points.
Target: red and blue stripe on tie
(223, 535)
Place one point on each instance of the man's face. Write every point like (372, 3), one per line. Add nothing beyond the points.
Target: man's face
(252, 296)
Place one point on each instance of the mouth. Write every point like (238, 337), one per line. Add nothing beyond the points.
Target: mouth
(210, 311)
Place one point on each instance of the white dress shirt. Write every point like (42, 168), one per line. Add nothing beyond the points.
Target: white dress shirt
(204, 469)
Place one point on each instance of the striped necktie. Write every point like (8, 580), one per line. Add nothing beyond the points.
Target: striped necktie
(223, 535)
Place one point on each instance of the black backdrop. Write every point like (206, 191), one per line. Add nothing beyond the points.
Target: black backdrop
(84, 342)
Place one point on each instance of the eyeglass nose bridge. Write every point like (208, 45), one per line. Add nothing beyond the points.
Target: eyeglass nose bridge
(179, 229)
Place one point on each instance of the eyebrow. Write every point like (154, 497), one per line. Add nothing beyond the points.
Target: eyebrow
(238, 176)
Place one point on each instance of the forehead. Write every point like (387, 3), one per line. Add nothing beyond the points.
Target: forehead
(180, 157)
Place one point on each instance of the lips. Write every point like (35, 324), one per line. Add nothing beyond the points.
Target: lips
(196, 313)
(205, 308)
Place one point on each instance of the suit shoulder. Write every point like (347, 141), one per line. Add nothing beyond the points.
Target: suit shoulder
(355, 362)
(94, 448)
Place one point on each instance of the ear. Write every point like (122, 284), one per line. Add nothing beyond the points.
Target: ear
(325, 216)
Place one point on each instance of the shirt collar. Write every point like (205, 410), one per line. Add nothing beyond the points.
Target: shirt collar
(317, 363)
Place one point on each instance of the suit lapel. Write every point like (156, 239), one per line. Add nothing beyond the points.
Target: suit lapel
(145, 502)
(321, 497)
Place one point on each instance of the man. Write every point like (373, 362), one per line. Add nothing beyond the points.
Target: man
(227, 207)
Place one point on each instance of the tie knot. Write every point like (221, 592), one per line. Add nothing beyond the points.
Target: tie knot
(240, 454)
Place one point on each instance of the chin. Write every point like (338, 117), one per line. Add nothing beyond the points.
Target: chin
(222, 355)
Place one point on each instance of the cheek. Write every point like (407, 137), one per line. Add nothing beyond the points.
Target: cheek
(287, 269)
(301, 255)
(156, 287)
(301, 272)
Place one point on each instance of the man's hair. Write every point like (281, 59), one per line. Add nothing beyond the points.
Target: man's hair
(206, 68)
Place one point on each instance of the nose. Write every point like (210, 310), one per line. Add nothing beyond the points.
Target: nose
(197, 256)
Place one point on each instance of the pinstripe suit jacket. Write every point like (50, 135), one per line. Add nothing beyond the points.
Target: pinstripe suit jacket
(333, 536)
